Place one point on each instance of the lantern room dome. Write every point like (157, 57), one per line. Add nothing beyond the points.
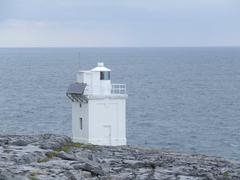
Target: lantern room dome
(100, 67)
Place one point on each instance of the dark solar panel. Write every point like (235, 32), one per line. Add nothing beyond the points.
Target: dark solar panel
(76, 88)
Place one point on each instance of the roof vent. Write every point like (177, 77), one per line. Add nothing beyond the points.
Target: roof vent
(100, 64)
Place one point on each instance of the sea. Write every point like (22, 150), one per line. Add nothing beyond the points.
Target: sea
(179, 99)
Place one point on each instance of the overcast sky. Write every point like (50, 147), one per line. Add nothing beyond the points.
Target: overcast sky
(107, 23)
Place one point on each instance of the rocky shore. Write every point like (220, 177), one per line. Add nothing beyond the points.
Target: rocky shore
(51, 156)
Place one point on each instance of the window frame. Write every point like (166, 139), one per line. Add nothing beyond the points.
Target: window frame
(81, 123)
(105, 75)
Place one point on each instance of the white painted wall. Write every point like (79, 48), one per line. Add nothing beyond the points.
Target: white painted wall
(107, 122)
(95, 85)
(100, 87)
(104, 121)
(77, 113)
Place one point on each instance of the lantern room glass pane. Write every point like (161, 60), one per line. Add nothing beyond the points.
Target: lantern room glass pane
(101, 75)
(104, 75)
(108, 75)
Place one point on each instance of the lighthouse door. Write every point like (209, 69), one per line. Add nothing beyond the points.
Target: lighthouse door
(107, 134)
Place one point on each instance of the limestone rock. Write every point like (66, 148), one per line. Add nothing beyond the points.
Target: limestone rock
(66, 156)
(43, 157)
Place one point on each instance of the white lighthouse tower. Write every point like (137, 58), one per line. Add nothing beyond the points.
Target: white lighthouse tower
(98, 108)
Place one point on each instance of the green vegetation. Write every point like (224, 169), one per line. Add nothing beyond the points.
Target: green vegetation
(69, 146)
(51, 154)
(77, 145)
(43, 160)
(66, 148)
(226, 174)
(33, 178)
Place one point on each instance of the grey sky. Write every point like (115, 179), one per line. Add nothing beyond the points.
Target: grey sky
(68, 23)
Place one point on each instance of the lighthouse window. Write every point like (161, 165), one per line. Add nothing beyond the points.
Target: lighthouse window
(104, 75)
(81, 125)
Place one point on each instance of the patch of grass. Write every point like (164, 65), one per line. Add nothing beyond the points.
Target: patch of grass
(226, 174)
(77, 145)
(51, 154)
(43, 160)
(68, 147)
(91, 147)
(33, 178)
(65, 148)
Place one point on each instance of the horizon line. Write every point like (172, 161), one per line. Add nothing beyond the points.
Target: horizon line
(43, 47)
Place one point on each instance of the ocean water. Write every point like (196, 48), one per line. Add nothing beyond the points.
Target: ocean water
(182, 99)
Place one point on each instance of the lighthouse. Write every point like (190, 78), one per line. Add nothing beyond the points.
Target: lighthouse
(98, 108)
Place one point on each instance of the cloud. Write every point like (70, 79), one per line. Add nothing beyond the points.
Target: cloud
(23, 33)
(119, 23)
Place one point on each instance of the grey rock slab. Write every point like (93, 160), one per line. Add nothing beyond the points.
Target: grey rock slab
(7, 175)
(189, 178)
(19, 142)
(66, 156)
(95, 170)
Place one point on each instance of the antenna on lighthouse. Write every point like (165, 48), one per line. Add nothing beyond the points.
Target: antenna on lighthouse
(79, 60)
